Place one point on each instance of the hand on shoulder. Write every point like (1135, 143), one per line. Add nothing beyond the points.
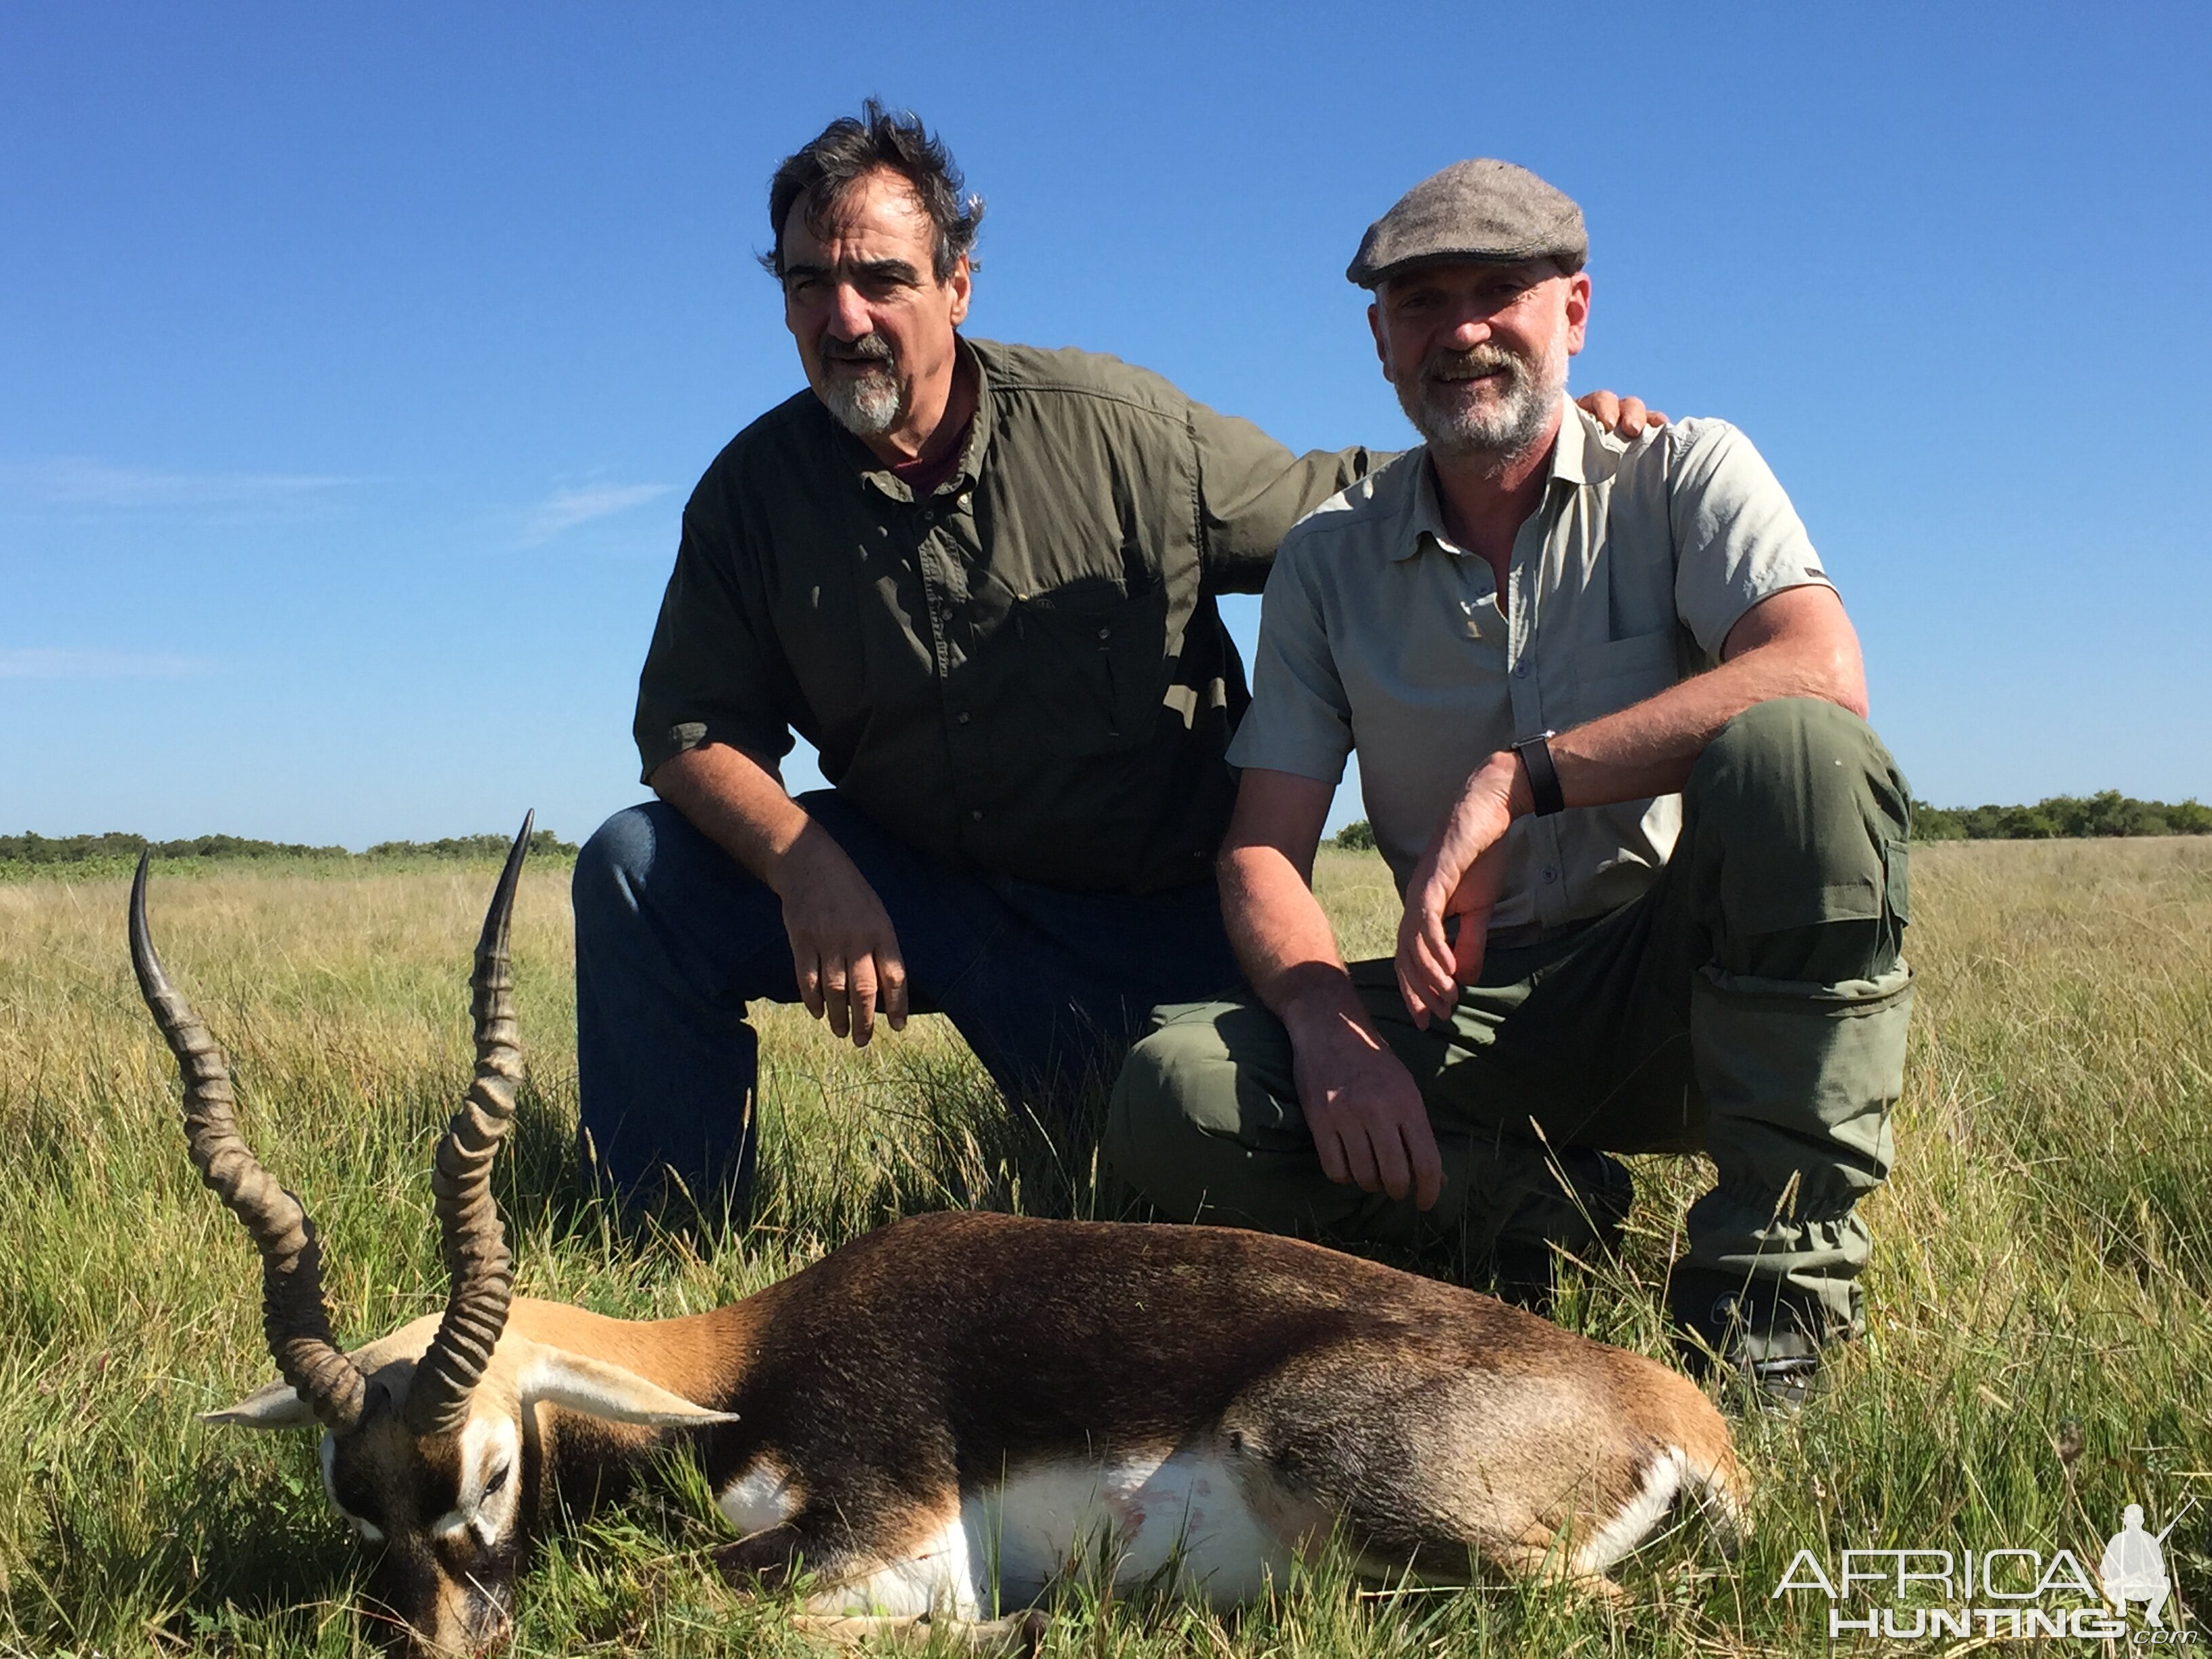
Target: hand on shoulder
(1626, 418)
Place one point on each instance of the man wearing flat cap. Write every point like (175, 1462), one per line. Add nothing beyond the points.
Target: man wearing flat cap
(1609, 714)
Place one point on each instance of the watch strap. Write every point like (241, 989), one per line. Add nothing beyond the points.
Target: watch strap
(1543, 773)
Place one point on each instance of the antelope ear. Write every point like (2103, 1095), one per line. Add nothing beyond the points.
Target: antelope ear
(275, 1407)
(593, 1388)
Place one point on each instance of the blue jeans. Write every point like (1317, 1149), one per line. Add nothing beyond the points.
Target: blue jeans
(674, 937)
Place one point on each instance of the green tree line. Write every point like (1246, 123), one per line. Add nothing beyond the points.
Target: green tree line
(2055, 818)
(116, 846)
(2108, 812)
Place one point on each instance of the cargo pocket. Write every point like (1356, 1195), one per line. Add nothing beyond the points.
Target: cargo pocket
(1896, 893)
(1897, 883)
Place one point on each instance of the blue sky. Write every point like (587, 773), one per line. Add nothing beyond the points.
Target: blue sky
(357, 362)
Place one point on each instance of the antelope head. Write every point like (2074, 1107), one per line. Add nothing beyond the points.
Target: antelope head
(435, 1449)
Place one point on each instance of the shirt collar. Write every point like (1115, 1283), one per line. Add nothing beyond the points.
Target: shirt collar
(1424, 514)
(979, 425)
(1425, 517)
(1571, 454)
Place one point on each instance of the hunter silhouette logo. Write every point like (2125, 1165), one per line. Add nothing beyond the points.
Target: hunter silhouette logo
(2133, 1565)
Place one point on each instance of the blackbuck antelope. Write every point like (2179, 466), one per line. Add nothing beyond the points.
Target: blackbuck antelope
(953, 1414)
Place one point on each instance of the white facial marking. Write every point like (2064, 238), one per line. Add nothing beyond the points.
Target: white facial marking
(1638, 1516)
(491, 1480)
(761, 1498)
(327, 1455)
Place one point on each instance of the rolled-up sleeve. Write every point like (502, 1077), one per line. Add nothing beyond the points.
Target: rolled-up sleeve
(1251, 491)
(712, 673)
(1300, 720)
(1737, 538)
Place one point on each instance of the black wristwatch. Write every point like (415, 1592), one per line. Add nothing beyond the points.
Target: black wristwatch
(1543, 776)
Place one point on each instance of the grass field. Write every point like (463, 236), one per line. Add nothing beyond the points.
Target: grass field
(2039, 1356)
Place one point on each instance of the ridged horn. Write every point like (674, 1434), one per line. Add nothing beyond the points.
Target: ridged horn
(292, 1314)
(480, 1272)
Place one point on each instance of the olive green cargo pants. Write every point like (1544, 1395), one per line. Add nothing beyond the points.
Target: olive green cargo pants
(1751, 1006)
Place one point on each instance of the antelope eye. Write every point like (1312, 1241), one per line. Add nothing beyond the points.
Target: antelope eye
(498, 1481)
(360, 1506)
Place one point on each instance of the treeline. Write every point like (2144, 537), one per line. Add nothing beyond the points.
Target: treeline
(543, 842)
(2062, 817)
(118, 848)
(2056, 818)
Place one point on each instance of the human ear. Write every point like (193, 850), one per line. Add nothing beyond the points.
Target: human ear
(1578, 303)
(962, 284)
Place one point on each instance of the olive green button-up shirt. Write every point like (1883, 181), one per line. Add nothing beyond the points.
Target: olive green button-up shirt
(1023, 673)
(1379, 635)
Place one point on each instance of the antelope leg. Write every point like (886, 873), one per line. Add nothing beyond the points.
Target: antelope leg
(1018, 1636)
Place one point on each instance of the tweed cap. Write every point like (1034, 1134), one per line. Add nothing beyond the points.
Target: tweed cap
(1490, 212)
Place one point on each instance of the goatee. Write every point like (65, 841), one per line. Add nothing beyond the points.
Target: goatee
(1503, 426)
(867, 403)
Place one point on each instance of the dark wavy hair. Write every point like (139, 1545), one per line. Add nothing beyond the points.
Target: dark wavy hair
(824, 172)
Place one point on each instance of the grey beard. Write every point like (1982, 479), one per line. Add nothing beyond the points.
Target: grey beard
(866, 408)
(866, 405)
(1508, 427)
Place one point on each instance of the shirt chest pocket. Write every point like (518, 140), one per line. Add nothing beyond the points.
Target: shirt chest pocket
(1611, 675)
(1083, 667)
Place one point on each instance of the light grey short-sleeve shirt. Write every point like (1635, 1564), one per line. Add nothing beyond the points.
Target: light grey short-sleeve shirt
(1378, 635)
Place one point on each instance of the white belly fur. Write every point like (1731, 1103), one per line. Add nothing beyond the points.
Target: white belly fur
(1179, 1523)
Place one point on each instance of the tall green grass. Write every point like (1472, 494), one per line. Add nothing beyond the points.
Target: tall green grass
(2040, 1287)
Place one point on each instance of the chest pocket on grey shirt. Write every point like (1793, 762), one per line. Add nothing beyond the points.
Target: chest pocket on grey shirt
(1611, 676)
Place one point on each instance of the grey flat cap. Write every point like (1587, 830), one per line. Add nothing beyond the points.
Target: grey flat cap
(1489, 211)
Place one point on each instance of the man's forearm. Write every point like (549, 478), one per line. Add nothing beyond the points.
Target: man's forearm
(739, 805)
(1649, 748)
(1283, 940)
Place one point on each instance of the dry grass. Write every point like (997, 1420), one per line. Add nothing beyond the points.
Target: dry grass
(2042, 1260)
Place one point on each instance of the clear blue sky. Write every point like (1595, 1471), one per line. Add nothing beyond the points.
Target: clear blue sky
(356, 360)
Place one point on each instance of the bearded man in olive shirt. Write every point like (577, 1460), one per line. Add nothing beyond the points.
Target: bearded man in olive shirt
(981, 580)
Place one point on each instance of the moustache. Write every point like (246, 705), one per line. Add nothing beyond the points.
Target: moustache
(868, 348)
(1475, 360)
